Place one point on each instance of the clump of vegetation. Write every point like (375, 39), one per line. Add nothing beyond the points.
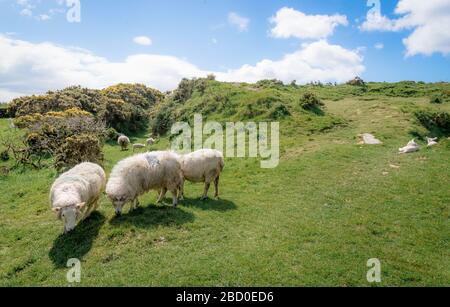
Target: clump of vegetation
(77, 149)
(437, 99)
(310, 102)
(280, 111)
(357, 81)
(68, 137)
(273, 83)
(4, 156)
(438, 122)
(123, 107)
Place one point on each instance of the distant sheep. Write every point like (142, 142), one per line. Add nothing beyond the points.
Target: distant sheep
(138, 146)
(123, 142)
(203, 165)
(151, 141)
(412, 146)
(432, 142)
(75, 194)
(137, 175)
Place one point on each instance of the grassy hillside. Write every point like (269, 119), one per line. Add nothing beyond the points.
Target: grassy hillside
(315, 220)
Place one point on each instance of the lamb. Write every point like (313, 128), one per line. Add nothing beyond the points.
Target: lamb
(412, 146)
(432, 142)
(123, 142)
(138, 146)
(203, 165)
(75, 194)
(137, 175)
(151, 141)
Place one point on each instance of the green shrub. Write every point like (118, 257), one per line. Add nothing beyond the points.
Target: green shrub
(438, 122)
(4, 156)
(111, 134)
(437, 99)
(77, 149)
(280, 111)
(311, 102)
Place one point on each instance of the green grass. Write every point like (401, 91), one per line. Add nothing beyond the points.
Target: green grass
(314, 221)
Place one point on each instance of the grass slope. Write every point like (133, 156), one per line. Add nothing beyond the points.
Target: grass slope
(315, 220)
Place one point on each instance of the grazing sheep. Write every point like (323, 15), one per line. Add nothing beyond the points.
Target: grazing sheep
(203, 165)
(151, 141)
(75, 194)
(138, 146)
(139, 174)
(123, 142)
(412, 146)
(432, 142)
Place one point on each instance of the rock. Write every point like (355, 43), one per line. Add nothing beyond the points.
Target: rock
(369, 139)
(412, 146)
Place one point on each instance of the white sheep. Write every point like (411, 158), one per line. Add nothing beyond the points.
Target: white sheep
(412, 146)
(75, 194)
(139, 174)
(432, 142)
(123, 142)
(205, 166)
(138, 146)
(151, 141)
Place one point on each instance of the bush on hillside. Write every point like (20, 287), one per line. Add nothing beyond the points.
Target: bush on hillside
(357, 81)
(123, 107)
(437, 99)
(70, 136)
(310, 102)
(438, 122)
(77, 149)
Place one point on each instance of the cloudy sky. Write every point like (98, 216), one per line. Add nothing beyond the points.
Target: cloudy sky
(50, 44)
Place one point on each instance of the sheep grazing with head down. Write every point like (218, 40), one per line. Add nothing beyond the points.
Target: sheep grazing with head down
(75, 194)
(139, 174)
(123, 142)
(205, 166)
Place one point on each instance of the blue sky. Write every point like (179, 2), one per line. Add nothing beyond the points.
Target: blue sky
(203, 34)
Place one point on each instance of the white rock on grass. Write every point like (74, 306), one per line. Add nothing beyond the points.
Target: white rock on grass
(369, 139)
(412, 146)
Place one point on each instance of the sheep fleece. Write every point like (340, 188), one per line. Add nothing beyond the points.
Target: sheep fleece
(82, 184)
(139, 174)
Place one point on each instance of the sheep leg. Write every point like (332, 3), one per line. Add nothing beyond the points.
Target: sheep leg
(182, 190)
(175, 198)
(216, 186)
(162, 195)
(205, 193)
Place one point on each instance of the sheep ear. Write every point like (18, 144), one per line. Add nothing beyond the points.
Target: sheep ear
(80, 206)
(56, 210)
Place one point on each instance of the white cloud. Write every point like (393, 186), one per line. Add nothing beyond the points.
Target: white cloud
(142, 40)
(6, 95)
(26, 12)
(315, 61)
(379, 46)
(33, 68)
(429, 21)
(44, 17)
(291, 23)
(238, 21)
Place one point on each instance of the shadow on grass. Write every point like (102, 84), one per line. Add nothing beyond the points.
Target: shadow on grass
(154, 216)
(77, 243)
(221, 205)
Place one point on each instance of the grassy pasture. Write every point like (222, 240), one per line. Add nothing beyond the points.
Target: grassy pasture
(314, 221)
